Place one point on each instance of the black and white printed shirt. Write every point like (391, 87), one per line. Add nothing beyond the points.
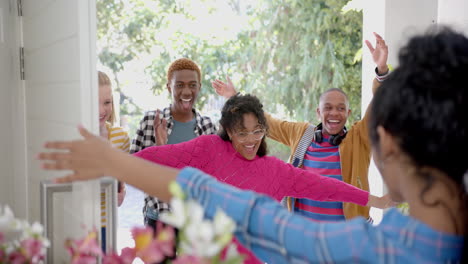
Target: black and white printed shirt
(145, 138)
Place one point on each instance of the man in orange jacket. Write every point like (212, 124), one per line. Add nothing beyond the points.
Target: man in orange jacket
(328, 148)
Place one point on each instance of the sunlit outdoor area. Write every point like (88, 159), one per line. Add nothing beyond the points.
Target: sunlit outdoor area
(284, 52)
(277, 50)
(233, 131)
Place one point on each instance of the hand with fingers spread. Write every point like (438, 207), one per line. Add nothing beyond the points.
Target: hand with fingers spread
(94, 157)
(379, 53)
(87, 158)
(226, 90)
(160, 129)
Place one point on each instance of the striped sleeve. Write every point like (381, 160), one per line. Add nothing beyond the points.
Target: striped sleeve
(119, 138)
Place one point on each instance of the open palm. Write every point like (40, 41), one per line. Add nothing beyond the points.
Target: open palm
(223, 89)
(379, 53)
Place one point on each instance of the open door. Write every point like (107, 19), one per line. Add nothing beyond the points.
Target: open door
(59, 82)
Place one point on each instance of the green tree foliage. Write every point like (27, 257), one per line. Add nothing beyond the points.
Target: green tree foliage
(298, 49)
(287, 54)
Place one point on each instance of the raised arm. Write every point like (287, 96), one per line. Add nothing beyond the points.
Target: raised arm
(224, 89)
(94, 157)
(262, 224)
(192, 153)
(301, 183)
(379, 55)
(285, 132)
(279, 130)
(274, 234)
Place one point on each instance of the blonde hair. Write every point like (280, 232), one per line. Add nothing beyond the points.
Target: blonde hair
(104, 80)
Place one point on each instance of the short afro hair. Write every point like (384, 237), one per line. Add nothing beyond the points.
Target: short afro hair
(183, 64)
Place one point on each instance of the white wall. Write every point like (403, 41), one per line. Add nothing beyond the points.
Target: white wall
(59, 92)
(454, 13)
(7, 80)
(395, 21)
(5, 105)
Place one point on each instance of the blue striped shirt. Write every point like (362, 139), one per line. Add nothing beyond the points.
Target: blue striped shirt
(277, 236)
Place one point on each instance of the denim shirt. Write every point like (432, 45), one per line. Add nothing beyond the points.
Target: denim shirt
(277, 236)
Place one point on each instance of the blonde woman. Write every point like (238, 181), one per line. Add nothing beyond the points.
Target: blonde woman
(116, 135)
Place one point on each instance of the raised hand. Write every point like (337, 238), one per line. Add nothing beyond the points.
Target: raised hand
(379, 53)
(160, 129)
(223, 89)
(87, 158)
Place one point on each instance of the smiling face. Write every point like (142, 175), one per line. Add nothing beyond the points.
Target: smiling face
(333, 112)
(246, 138)
(105, 104)
(184, 88)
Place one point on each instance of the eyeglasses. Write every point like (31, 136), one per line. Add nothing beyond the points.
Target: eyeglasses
(257, 135)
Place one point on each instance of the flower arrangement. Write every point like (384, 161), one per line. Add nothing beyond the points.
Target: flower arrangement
(20, 242)
(200, 241)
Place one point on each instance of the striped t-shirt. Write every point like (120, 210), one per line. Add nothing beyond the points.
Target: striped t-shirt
(324, 159)
(119, 139)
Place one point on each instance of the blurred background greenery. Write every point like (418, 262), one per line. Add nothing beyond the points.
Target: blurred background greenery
(284, 51)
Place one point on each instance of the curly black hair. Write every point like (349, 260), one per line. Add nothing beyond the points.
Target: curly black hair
(232, 116)
(423, 105)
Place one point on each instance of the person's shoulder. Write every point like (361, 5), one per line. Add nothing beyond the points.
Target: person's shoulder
(149, 115)
(203, 118)
(208, 143)
(152, 113)
(117, 130)
(356, 128)
(213, 138)
(272, 160)
(205, 123)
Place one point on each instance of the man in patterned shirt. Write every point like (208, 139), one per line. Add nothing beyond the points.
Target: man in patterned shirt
(176, 123)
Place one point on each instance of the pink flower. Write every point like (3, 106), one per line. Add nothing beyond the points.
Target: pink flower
(188, 259)
(143, 237)
(126, 257)
(16, 257)
(84, 251)
(29, 251)
(83, 259)
(32, 249)
(166, 240)
(152, 250)
(112, 259)
(146, 247)
(2, 252)
(151, 254)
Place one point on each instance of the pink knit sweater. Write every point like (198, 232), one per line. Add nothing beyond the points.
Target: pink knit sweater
(267, 175)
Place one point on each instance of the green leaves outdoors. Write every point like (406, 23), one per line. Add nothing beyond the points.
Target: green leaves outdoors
(286, 52)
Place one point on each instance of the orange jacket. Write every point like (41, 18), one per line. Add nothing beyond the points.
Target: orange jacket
(355, 152)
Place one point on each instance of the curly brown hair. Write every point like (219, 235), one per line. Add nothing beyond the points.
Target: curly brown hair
(232, 116)
(183, 64)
